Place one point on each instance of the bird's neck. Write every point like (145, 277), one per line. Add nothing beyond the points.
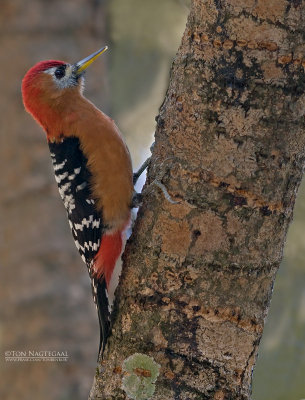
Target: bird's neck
(62, 118)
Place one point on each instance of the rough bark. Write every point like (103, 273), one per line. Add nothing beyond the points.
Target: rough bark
(230, 137)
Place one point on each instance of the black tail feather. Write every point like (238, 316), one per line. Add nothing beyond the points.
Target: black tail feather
(99, 291)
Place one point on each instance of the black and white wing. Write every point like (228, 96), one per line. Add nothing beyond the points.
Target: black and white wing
(72, 177)
(73, 180)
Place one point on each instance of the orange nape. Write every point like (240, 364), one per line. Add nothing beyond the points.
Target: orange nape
(109, 252)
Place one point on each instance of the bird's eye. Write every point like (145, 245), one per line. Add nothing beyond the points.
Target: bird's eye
(60, 72)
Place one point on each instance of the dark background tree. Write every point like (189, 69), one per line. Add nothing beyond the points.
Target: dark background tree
(44, 290)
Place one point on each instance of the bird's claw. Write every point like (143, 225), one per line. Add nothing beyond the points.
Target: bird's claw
(136, 175)
(136, 200)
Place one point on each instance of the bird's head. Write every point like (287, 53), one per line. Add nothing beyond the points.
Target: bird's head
(47, 83)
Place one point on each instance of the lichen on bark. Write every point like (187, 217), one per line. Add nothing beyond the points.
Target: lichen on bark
(198, 275)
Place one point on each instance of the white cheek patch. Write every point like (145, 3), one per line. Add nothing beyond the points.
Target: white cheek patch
(66, 81)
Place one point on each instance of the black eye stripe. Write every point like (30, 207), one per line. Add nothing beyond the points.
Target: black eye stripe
(60, 71)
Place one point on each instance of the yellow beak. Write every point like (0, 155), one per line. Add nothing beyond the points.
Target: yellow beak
(84, 63)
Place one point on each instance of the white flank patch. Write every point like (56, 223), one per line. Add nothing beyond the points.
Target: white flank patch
(114, 281)
(61, 177)
(96, 223)
(81, 186)
(64, 188)
(90, 201)
(59, 166)
(87, 222)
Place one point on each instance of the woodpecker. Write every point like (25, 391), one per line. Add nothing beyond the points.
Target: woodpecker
(92, 167)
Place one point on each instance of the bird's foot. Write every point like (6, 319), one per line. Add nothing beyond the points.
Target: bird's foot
(137, 199)
(143, 167)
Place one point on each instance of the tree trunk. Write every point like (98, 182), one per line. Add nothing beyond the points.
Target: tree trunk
(229, 147)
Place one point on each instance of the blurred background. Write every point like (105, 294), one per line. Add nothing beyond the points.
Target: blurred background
(45, 298)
